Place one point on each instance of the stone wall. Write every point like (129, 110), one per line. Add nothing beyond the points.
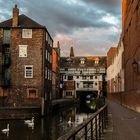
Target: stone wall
(129, 99)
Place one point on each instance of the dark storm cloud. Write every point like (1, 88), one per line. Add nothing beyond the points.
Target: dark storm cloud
(59, 16)
(69, 18)
(111, 6)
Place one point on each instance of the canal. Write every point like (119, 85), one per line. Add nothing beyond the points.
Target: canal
(49, 128)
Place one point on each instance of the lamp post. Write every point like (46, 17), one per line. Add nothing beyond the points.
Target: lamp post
(135, 66)
(119, 83)
(135, 69)
(114, 84)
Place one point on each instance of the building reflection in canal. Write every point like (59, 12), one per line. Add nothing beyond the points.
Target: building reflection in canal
(51, 127)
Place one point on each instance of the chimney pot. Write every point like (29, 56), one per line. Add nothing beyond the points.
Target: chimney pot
(15, 16)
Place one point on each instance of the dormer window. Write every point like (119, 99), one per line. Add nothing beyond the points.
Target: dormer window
(97, 61)
(82, 61)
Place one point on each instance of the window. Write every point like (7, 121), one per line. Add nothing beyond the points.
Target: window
(26, 33)
(45, 96)
(82, 61)
(50, 42)
(46, 54)
(77, 85)
(91, 77)
(28, 71)
(83, 77)
(50, 75)
(50, 58)
(22, 50)
(87, 84)
(6, 36)
(70, 77)
(96, 61)
(68, 93)
(46, 73)
(32, 93)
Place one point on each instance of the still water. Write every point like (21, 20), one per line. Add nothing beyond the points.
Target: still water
(49, 128)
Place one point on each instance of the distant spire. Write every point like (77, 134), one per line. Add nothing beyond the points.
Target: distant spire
(58, 44)
(71, 52)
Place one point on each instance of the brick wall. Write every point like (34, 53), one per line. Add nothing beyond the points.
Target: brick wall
(129, 99)
(131, 41)
(110, 55)
(18, 92)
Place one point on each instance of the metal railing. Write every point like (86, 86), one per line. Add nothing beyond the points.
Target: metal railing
(91, 129)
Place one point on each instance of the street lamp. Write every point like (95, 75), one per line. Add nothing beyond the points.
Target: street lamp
(135, 66)
(119, 83)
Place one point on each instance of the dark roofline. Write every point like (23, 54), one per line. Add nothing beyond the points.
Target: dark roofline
(37, 25)
(84, 56)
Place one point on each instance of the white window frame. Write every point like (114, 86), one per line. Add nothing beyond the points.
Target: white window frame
(26, 33)
(22, 50)
(25, 73)
(82, 61)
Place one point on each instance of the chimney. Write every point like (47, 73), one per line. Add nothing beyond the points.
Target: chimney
(15, 16)
(71, 52)
(58, 47)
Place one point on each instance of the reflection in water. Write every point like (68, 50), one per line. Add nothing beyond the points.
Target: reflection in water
(49, 128)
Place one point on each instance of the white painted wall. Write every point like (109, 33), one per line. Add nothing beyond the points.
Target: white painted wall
(116, 68)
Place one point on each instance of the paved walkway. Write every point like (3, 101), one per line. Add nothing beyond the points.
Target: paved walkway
(124, 123)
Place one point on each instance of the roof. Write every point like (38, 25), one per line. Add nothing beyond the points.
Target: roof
(74, 62)
(24, 22)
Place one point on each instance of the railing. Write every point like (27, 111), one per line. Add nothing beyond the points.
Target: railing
(91, 129)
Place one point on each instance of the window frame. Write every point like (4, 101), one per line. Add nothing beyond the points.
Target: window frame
(25, 72)
(25, 33)
(19, 47)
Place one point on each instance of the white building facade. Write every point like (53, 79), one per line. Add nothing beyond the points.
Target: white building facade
(88, 74)
(115, 71)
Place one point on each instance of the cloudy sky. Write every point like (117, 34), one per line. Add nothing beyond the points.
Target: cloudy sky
(90, 26)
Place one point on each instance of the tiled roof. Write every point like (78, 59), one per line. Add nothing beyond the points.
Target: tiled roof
(74, 62)
(24, 22)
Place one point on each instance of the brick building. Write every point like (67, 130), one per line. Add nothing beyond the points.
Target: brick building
(25, 62)
(56, 71)
(130, 37)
